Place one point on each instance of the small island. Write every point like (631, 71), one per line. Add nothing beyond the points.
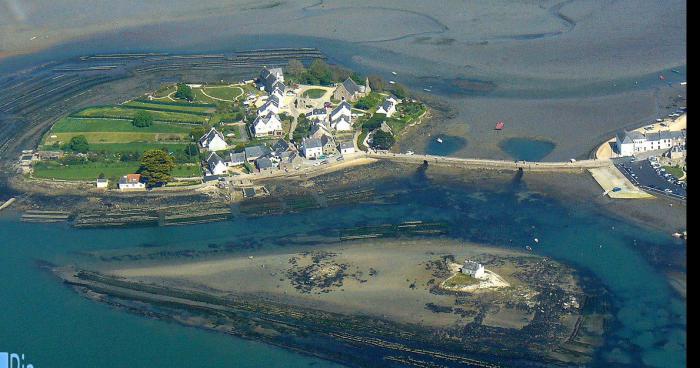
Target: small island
(286, 120)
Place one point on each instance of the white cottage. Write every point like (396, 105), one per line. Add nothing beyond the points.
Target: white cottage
(312, 147)
(343, 109)
(213, 141)
(473, 269)
(215, 164)
(269, 125)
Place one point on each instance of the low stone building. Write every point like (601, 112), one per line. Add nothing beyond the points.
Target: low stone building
(473, 269)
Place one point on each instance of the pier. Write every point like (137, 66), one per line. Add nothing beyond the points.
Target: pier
(475, 163)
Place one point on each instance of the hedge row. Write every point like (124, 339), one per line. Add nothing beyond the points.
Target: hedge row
(175, 103)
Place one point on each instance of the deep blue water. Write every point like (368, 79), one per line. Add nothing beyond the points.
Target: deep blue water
(56, 327)
(526, 148)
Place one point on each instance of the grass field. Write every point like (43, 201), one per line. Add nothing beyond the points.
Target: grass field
(169, 107)
(201, 97)
(90, 171)
(119, 137)
(75, 125)
(314, 93)
(121, 112)
(224, 92)
(460, 280)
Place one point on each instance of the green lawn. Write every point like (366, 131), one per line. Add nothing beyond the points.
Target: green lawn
(174, 107)
(121, 112)
(314, 93)
(201, 97)
(90, 171)
(164, 92)
(224, 92)
(675, 171)
(460, 280)
(74, 125)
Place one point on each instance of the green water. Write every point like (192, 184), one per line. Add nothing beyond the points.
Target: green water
(56, 327)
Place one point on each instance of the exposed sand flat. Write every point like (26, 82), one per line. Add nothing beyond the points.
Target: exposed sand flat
(610, 177)
(384, 278)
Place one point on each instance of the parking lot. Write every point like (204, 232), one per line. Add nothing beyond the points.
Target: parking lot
(645, 175)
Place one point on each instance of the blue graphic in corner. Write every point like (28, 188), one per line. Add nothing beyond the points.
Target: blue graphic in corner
(12, 360)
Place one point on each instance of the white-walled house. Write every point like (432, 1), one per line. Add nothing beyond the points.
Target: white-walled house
(215, 164)
(473, 269)
(312, 147)
(346, 147)
(265, 126)
(131, 182)
(343, 109)
(388, 107)
(634, 142)
(213, 141)
(342, 124)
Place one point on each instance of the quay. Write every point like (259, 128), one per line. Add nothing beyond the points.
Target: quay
(473, 163)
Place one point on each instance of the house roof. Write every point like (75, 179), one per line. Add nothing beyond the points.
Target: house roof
(263, 163)
(214, 160)
(629, 137)
(327, 139)
(312, 143)
(209, 136)
(280, 146)
(340, 106)
(471, 266)
(130, 179)
(256, 151)
(236, 158)
(316, 112)
(351, 86)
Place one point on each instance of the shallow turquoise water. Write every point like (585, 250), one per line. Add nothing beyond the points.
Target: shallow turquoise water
(56, 327)
(527, 149)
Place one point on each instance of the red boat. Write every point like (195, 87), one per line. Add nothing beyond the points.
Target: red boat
(499, 125)
(661, 76)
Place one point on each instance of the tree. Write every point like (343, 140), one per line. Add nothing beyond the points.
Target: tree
(399, 91)
(184, 92)
(320, 70)
(156, 167)
(295, 68)
(192, 150)
(197, 132)
(382, 140)
(79, 144)
(376, 83)
(142, 119)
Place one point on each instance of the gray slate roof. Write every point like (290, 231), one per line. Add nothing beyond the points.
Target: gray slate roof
(263, 163)
(213, 159)
(312, 143)
(256, 151)
(351, 86)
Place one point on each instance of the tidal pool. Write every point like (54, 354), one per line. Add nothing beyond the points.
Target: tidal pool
(527, 149)
(450, 144)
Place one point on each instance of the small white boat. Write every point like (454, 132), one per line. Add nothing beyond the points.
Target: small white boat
(439, 140)
(394, 73)
(684, 83)
(392, 82)
(409, 152)
(537, 240)
(426, 89)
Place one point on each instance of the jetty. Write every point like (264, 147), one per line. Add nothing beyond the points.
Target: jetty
(475, 163)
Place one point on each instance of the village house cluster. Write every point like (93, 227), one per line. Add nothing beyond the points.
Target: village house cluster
(328, 123)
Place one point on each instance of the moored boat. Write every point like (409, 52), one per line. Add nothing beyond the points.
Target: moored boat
(500, 125)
